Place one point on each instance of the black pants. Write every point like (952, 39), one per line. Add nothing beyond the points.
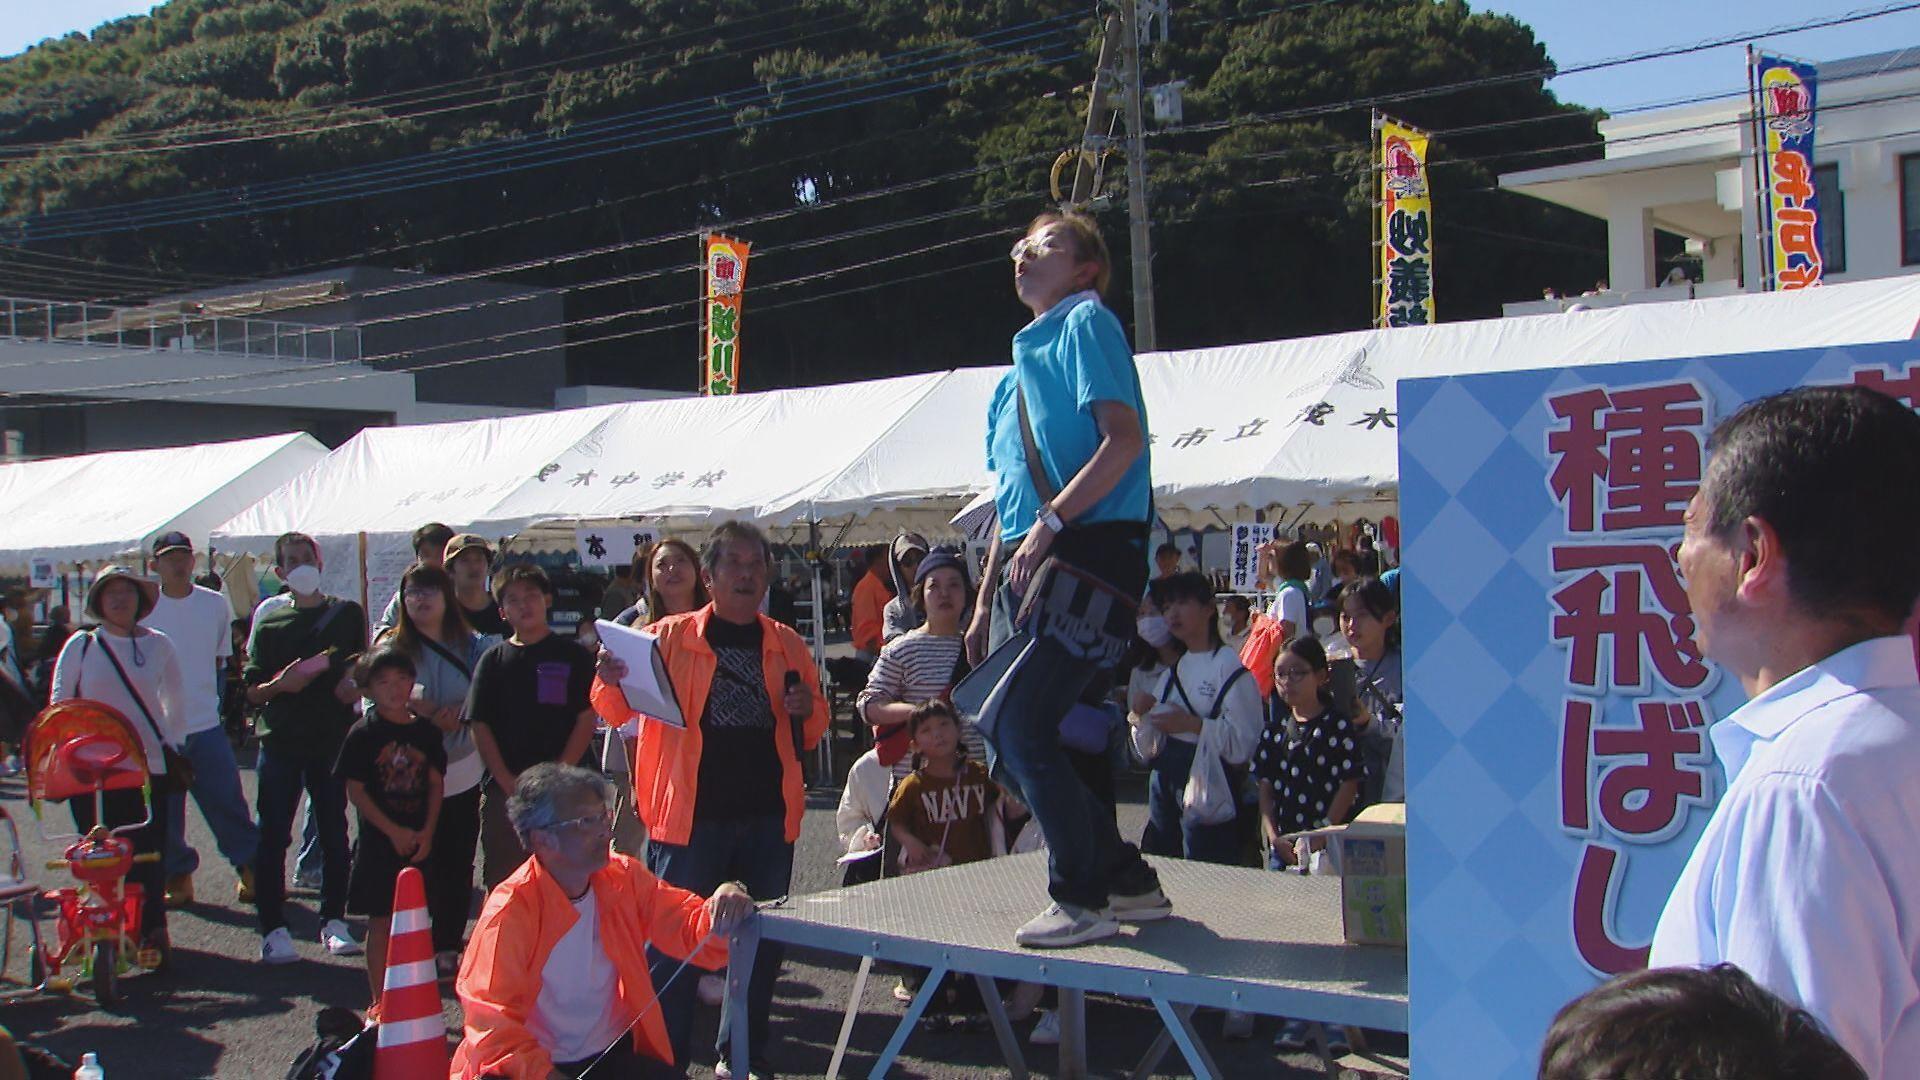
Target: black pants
(125, 807)
(450, 871)
(622, 1062)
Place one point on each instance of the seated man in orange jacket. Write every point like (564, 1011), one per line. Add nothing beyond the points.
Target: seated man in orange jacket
(722, 798)
(555, 976)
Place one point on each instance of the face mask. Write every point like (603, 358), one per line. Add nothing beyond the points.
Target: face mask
(303, 580)
(1153, 630)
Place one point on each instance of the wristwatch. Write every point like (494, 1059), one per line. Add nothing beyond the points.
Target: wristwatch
(1050, 517)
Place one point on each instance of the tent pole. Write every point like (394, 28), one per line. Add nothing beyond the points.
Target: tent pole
(819, 641)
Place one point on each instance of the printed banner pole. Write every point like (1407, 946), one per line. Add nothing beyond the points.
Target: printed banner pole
(1763, 249)
(1378, 200)
(1406, 226)
(700, 341)
(1787, 91)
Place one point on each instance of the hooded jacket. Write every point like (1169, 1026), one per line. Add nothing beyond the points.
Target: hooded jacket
(526, 916)
(901, 616)
(666, 759)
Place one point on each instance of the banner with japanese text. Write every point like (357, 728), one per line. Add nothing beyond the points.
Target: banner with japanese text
(1406, 228)
(1244, 570)
(1558, 765)
(611, 545)
(1790, 210)
(725, 271)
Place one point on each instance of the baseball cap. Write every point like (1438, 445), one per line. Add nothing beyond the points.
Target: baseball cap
(467, 542)
(171, 541)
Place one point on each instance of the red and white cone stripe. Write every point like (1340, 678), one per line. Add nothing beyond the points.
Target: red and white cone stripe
(413, 1034)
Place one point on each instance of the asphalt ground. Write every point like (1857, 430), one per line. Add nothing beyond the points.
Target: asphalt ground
(218, 1012)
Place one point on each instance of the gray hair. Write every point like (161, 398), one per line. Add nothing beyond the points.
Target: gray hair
(728, 533)
(544, 788)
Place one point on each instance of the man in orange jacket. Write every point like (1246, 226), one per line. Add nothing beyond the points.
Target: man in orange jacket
(870, 596)
(722, 798)
(553, 982)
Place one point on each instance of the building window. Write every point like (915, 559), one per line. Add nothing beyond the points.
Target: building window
(1833, 219)
(1910, 210)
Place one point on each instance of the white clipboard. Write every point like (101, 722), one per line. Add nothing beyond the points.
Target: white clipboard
(648, 690)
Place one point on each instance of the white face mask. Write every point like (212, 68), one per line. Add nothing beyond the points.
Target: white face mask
(303, 580)
(1153, 630)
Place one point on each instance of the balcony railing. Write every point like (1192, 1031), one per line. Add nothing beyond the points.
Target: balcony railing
(174, 328)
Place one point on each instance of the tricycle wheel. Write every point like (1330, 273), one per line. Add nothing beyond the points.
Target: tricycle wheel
(106, 972)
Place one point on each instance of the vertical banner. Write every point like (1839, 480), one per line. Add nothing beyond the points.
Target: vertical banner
(1790, 207)
(1406, 227)
(725, 272)
(1248, 536)
(1558, 766)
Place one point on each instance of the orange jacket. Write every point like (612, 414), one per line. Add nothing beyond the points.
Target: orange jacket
(666, 759)
(525, 917)
(870, 596)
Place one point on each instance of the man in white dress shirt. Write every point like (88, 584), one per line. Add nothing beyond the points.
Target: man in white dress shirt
(1807, 875)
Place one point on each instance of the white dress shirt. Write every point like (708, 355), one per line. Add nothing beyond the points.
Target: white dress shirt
(1807, 876)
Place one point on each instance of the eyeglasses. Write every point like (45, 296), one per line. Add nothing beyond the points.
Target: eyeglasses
(421, 592)
(1281, 674)
(1037, 246)
(601, 819)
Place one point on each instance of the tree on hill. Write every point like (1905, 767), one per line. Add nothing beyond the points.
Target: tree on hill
(233, 139)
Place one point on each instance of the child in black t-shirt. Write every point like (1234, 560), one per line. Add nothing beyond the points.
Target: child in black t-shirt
(393, 764)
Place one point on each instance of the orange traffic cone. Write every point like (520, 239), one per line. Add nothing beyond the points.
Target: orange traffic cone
(413, 1034)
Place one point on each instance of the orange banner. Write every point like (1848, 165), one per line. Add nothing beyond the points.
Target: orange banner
(725, 270)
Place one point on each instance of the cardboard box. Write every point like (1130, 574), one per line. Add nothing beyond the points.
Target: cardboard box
(1372, 853)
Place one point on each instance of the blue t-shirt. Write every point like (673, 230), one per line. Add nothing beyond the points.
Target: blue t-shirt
(1068, 358)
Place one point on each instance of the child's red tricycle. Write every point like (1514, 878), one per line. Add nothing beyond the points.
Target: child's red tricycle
(80, 749)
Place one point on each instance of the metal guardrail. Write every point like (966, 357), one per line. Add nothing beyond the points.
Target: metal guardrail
(156, 329)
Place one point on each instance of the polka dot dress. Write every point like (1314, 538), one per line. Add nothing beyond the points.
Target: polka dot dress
(1307, 772)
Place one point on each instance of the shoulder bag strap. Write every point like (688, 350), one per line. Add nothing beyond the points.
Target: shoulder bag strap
(1220, 699)
(1174, 686)
(128, 683)
(447, 655)
(1042, 484)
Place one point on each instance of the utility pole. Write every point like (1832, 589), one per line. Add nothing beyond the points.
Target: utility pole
(1118, 96)
(1140, 226)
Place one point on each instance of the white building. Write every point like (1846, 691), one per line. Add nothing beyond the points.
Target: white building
(1689, 171)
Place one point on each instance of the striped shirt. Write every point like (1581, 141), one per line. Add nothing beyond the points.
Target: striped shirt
(915, 668)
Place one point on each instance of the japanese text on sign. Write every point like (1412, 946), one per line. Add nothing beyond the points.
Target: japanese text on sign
(1624, 464)
(1792, 203)
(1247, 538)
(1406, 221)
(726, 275)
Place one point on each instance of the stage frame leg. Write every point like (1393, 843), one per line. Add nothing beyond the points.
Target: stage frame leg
(1073, 1034)
(1320, 1043)
(908, 1022)
(1002, 1028)
(853, 1010)
(740, 954)
(1162, 1043)
(1179, 1021)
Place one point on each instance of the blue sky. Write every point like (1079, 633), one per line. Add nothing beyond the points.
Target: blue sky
(1575, 31)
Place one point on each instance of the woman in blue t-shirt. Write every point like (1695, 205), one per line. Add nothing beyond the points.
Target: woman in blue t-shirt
(1083, 497)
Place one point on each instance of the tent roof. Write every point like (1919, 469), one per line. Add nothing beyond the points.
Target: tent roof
(96, 506)
(1308, 421)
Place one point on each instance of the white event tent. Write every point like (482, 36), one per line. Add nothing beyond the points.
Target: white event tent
(1304, 425)
(98, 506)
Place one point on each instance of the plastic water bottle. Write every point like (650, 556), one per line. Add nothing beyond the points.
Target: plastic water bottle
(89, 1068)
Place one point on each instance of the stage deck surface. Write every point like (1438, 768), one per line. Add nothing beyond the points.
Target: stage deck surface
(1238, 937)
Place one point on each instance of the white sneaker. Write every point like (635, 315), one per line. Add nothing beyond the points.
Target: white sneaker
(277, 948)
(1063, 925)
(1143, 907)
(1046, 1031)
(338, 939)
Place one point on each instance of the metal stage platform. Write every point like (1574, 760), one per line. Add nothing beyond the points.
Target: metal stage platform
(1239, 938)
